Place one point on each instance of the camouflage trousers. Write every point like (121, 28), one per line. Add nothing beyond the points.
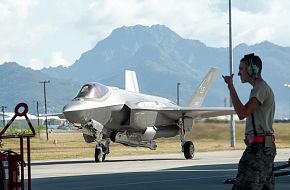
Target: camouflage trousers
(255, 171)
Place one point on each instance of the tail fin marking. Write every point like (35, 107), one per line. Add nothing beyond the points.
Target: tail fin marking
(200, 93)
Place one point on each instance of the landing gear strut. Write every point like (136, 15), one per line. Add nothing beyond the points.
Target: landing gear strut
(187, 146)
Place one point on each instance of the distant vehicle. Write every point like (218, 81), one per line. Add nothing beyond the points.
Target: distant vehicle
(103, 114)
(54, 123)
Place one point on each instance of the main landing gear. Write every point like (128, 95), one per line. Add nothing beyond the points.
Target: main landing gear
(187, 146)
(101, 151)
(188, 150)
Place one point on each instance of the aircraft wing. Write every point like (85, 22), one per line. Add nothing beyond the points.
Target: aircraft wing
(205, 112)
(194, 113)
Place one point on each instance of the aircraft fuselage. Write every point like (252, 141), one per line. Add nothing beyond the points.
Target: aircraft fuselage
(113, 111)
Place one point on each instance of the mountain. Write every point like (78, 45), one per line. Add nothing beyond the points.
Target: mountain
(156, 53)
(161, 58)
(20, 84)
(134, 48)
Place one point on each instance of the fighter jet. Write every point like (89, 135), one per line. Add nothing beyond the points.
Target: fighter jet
(104, 114)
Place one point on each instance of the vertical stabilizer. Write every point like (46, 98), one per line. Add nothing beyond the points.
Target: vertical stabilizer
(131, 83)
(200, 93)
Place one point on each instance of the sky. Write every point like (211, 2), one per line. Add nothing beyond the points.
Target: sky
(49, 33)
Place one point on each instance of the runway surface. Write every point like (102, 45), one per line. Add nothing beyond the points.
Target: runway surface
(207, 170)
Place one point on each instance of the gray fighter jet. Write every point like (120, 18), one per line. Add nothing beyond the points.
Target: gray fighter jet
(103, 114)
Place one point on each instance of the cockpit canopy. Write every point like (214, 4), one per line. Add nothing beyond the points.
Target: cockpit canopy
(92, 90)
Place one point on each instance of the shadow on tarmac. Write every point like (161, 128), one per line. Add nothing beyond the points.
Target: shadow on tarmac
(201, 177)
(92, 161)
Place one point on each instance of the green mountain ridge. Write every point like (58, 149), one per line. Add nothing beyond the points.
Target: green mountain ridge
(20, 84)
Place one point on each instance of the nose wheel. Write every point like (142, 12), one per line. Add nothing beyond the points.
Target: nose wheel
(101, 151)
(100, 156)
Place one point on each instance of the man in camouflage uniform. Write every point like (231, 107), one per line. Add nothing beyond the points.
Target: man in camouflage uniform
(255, 169)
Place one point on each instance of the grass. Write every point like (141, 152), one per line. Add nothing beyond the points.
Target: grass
(205, 136)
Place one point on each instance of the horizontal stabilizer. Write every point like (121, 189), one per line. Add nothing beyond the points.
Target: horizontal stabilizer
(131, 83)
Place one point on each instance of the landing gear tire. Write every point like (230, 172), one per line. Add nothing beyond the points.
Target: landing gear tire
(100, 155)
(188, 150)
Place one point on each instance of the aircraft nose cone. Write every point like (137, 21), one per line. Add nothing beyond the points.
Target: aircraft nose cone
(73, 113)
(68, 108)
(74, 106)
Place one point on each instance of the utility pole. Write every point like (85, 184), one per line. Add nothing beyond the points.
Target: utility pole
(288, 86)
(177, 91)
(37, 113)
(232, 121)
(45, 110)
(3, 111)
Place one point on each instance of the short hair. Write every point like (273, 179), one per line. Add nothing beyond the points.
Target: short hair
(254, 59)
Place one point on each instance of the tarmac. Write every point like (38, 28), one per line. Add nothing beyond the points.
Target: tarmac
(208, 170)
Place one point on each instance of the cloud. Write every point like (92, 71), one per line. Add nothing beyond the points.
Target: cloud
(15, 9)
(255, 27)
(32, 27)
(28, 38)
(5, 58)
(58, 59)
(35, 63)
(252, 21)
(18, 32)
(190, 19)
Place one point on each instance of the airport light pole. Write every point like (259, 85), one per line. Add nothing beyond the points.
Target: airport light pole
(3, 111)
(288, 86)
(37, 113)
(232, 121)
(45, 110)
(177, 95)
